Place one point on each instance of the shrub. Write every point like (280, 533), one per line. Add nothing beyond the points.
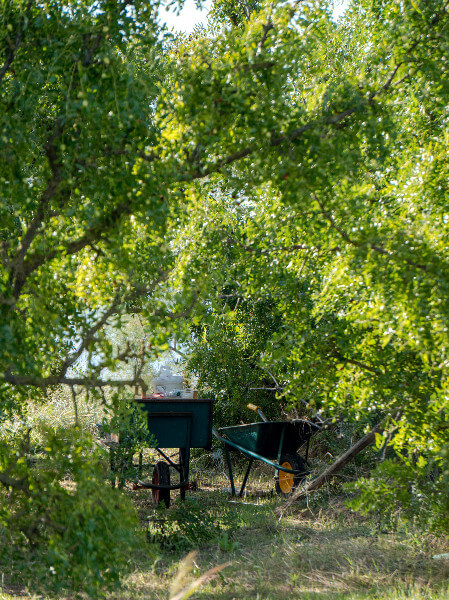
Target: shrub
(61, 514)
(414, 488)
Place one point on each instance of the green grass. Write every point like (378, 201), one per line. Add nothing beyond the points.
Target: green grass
(320, 554)
(324, 552)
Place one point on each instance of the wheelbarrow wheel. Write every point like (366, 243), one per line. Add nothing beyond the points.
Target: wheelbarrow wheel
(161, 476)
(287, 482)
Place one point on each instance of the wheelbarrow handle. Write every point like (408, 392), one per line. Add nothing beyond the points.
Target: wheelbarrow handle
(258, 411)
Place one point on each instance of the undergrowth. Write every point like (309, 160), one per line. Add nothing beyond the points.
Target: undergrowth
(196, 523)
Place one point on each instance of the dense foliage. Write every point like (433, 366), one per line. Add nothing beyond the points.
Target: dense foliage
(60, 526)
(342, 221)
(320, 147)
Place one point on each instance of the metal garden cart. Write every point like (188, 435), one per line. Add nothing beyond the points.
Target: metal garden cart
(275, 443)
(182, 423)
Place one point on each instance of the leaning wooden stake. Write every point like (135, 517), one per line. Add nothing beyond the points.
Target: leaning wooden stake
(341, 461)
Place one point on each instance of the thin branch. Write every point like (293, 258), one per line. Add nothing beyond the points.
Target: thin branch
(412, 263)
(75, 403)
(181, 313)
(255, 66)
(361, 365)
(393, 74)
(328, 215)
(267, 27)
(207, 170)
(244, 4)
(269, 389)
(376, 247)
(272, 377)
(89, 336)
(183, 354)
(60, 377)
(266, 30)
(249, 248)
(357, 363)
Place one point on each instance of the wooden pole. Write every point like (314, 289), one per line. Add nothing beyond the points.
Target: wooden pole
(335, 467)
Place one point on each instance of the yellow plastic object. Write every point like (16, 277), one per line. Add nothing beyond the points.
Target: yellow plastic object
(252, 406)
(286, 479)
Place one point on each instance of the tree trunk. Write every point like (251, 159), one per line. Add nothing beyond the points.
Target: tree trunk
(337, 466)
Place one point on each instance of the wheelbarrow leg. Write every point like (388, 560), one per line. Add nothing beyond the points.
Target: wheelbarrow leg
(184, 460)
(242, 489)
(231, 476)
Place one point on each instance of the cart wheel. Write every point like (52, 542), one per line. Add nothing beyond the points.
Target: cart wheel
(287, 482)
(161, 476)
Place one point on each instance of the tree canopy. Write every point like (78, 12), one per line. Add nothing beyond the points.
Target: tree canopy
(342, 222)
(277, 155)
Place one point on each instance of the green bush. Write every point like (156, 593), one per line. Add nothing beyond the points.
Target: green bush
(129, 421)
(413, 488)
(64, 527)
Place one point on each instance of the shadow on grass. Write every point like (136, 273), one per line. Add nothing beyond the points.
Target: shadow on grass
(326, 554)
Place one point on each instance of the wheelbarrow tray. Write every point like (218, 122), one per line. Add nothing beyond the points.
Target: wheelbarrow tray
(264, 438)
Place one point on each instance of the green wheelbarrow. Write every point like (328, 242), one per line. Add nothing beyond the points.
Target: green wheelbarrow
(275, 443)
(182, 423)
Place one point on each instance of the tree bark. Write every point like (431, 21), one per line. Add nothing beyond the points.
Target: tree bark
(337, 466)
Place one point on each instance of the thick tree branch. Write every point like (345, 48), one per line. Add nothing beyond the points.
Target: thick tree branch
(208, 169)
(20, 268)
(115, 308)
(93, 234)
(52, 380)
(18, 271)
(15, 484)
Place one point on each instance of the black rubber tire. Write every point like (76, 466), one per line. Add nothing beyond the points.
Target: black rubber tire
(161, 476)
(286, 483)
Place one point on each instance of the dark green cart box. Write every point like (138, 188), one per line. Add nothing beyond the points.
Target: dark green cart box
(179, 422)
